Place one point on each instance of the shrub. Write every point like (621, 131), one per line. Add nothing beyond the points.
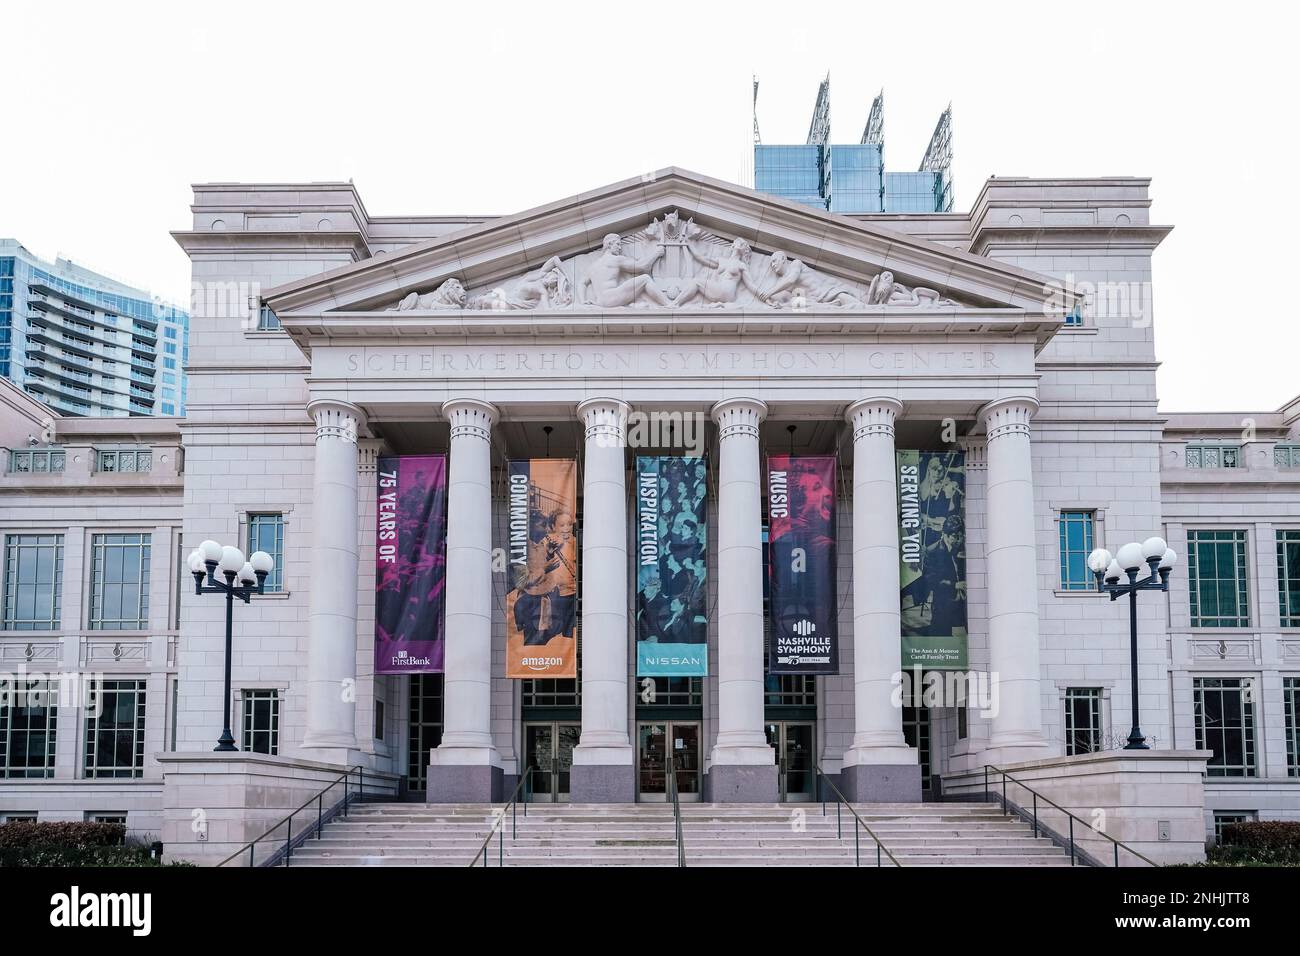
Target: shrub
(60, 836)
(1271, 835)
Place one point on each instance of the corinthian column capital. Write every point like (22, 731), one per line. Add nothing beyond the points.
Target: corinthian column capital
(470, 417)
(739, 416)
(605, 420)
(1008, 416)
(335, 419)
(873, 416)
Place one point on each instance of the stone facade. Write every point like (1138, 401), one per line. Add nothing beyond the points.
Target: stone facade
(978, 347)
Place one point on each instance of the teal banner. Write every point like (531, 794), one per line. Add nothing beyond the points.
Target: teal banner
(672, 623)
(932, 554)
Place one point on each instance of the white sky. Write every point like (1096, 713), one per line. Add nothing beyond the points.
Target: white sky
(490, 107)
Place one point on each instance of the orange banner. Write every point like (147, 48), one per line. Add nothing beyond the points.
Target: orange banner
(542, 545)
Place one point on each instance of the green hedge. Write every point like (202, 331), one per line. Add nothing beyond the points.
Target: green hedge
(77, 856)
(60, 836)
(71, 844)
(1263, 835)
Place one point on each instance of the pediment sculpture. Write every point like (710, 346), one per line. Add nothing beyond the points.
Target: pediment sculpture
(675, 264)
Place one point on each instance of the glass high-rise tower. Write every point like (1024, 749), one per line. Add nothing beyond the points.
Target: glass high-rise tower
(851, 177)
(85, 344)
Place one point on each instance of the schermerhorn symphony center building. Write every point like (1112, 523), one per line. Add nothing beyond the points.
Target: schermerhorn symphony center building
(669, 478)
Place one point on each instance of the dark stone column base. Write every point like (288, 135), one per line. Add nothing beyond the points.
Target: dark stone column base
(464, 783)
(882, 783)
(591, 783)
(734, 783)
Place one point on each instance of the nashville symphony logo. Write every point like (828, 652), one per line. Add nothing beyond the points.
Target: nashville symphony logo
(804, 627)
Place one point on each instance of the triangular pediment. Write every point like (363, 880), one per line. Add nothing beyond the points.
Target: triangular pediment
(669, 241)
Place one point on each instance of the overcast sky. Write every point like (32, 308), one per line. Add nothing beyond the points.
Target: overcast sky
(489, 107)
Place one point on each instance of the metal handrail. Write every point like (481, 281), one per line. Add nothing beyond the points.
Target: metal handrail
(1038, 796)
(511, 806)
(319, 800)
(839, 830)
(677, 813)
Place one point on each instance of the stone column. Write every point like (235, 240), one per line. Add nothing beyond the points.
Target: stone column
(465, 767)
(332, 615)
(879, 766)
(603, 767)
(1016, 732)
(743, 765)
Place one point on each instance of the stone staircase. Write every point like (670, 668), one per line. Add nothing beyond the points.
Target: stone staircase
(918, 834)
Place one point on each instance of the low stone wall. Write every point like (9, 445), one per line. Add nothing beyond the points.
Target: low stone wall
(1132, 796)
(213, 804)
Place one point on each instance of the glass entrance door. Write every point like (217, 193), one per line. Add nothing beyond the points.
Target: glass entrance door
(664, 744)
(548, 749)
(793, 742)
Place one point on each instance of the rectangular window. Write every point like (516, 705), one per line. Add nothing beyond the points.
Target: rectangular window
(22, 816)
(379, 720)
(1223, 818)
(266, 533)
(267, 321)
(262, 721)
(1217, 578)
(1291, 707)
(92, 817)
(28, 725)
(1224, 712)
(1082, 720)
(119, 582)
(1076, 536)
(115, 733)
(33, 582)
(1286, 456)
(1288, 577)
(1213, 455)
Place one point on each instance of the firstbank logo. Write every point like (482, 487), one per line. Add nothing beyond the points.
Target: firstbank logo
(73, 909)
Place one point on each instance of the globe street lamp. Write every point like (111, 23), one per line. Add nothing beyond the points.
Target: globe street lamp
(204, 561)
(1160, 558)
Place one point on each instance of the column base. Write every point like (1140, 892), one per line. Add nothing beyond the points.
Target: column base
(464, 783)
(602, 783)
(882, 783)
(1004, 756)
(740, 783)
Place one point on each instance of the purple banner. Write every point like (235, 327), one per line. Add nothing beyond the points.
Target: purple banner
(410, 564)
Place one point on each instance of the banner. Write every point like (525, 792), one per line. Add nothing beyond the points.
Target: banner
(542, 603)
(672, 623)
(932, 552)
(410, 564)
(802, 587)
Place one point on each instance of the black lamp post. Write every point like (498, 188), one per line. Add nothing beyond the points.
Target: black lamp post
(1160, 558)
(204, 562)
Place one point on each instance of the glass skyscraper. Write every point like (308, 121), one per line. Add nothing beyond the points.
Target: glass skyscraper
(851, 177)
(85, 344)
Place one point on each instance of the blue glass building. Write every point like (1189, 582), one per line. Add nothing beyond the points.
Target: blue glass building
(85, 344)
(851, 178)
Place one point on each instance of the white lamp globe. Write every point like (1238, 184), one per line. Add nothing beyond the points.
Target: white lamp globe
(246, 575)
(195, 561)
(1099, 561)
(1113, 572)
(1154, 548)
(232, 560)
(1169, 559)
(211, 551)
(261, 561)
(1130, 556)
